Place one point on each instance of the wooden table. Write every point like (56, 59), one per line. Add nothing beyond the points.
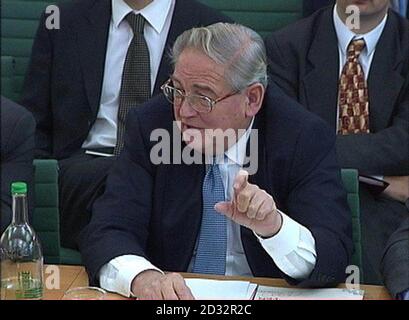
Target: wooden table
(75, 276)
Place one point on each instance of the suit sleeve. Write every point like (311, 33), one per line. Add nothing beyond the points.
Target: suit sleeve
(318, 201)
(17, 163)
(385, 152)
(36, 95)
(120, 217)
(395, 261)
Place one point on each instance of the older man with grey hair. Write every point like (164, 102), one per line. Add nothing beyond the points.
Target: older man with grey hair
(288, 219)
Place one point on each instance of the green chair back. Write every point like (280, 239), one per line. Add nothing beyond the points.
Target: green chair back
(19, 22)
(46, 220)
(7, 77)
(351, 184)
(46, 217)
(263, 16)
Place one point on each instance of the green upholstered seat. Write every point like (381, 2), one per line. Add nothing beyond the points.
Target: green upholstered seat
(263, 16)
(70, 256)
(7, 76)
(46, 220)
(351, 184)
(19, 22)
(46, 216)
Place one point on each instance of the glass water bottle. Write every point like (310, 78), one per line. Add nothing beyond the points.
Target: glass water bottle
(20, 252)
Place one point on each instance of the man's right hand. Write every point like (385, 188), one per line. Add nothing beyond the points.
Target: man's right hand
(153, 285)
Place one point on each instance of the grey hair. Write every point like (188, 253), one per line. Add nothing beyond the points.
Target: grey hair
(238, 48)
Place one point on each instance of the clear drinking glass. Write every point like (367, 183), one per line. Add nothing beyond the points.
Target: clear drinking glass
(85, 293)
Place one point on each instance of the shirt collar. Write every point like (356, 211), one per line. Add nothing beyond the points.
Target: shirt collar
(345, 35)
(237, 152)
(154, 13)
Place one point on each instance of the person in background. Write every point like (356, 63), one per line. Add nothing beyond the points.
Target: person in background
(356, 77)
(16, 152)
(289, 218)
(395, 262)
(107, 57)
(310, 6)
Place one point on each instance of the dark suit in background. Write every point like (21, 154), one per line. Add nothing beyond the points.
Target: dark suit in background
(310, 6)
(304, 61)
(146, 211)
(63, 90)
(16, 149)
(395, 261)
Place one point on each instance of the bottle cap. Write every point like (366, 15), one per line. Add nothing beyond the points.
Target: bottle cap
(19, 187)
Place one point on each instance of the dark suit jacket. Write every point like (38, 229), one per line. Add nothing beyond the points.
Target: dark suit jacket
(146, 210)
(64, 80)
(310, 6)
(304, 61)
(395, 262)
(16, 152)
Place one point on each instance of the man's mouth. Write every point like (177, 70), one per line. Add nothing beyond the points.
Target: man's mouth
(186, 126)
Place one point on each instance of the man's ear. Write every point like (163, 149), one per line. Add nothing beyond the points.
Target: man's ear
(255, 96)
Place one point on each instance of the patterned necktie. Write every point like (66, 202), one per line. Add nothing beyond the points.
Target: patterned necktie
(353, 93)
(212, 245)
(136, 77)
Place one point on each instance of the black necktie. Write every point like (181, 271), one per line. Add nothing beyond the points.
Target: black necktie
(136, 77)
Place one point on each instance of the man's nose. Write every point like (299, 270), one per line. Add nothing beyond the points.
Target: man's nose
(186, 109)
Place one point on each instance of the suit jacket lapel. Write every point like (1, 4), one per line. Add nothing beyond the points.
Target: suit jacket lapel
(251, 245)
(183, 206)
(258, 154)
(383, 93)
(92, 37)
(321, 82)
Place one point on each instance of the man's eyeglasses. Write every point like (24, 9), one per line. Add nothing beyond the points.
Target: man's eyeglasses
(199, 103)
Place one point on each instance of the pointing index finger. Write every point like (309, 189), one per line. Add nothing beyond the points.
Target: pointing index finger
(241, 180)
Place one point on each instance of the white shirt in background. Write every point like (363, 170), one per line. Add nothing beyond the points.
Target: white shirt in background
(158, 16)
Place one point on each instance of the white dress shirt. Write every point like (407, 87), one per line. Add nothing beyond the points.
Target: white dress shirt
(158, 16)
(292, 249)
(345, 36)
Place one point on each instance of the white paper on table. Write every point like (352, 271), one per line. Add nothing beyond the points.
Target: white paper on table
(275, 293)
(205, 289)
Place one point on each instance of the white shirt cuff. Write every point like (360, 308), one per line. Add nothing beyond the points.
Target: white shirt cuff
(292, 249)
(118, 274)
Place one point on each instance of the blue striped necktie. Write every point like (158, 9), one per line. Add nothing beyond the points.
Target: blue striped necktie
(400, 6)
(403, 7)
(212, 245)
